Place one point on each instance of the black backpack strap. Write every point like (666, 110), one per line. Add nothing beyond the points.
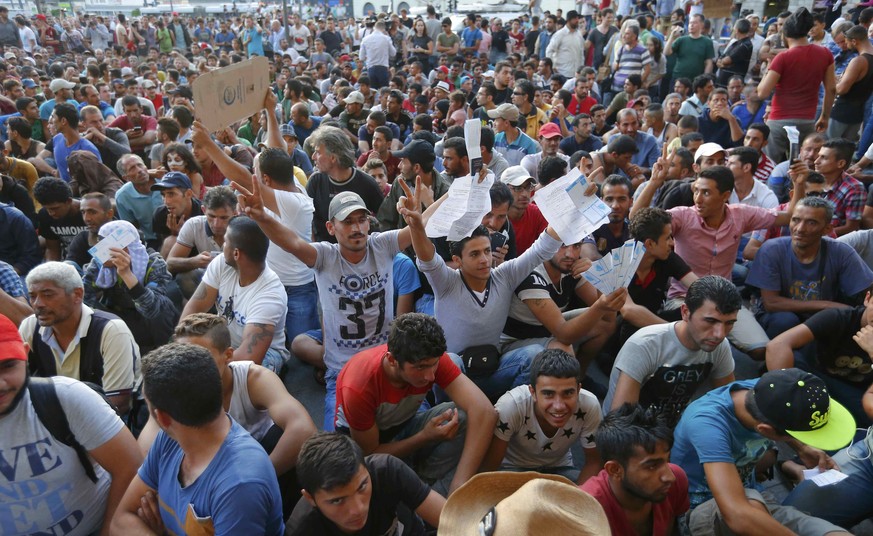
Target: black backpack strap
(44, 398)
(90, 356)
(41, 359)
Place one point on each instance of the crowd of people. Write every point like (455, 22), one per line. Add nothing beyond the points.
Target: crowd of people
(146, 392)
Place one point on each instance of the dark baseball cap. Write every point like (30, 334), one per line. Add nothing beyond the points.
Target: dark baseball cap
(182, 91)
(173, 179)
(798, 402)
(417, 151)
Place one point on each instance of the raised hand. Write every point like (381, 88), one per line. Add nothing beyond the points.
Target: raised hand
(270, 100)
(252, 203)
(199, 134)
(409, 205)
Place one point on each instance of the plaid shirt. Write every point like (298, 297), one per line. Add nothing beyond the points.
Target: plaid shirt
(10, 283)
(848, 196)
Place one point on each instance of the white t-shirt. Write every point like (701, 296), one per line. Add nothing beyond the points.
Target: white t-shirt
(45, 487)
(295, 211)
(263, 302)
(529, 447)
(299, 38)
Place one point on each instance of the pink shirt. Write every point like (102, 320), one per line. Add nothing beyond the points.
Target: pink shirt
(711, 251)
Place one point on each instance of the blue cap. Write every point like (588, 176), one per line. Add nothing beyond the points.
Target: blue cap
(29, 83)
(173, 179)
(463, 80)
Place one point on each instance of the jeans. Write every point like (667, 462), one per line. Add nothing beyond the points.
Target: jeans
(512, 371)
(847, 502)
(867, 135)
(274, 360)
(435, 463)
(330, 376)
(777, 323)
(777, 146)
(838, 129)
(302, 313)
(378, 76)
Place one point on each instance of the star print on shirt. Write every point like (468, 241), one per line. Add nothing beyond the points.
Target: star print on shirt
(503, 426)
(580, 414)
(589, 438)
(547, 446)
(530, 435)
(568, 432)
(526, 418)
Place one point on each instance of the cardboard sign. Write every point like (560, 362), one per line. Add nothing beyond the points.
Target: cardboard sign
(231, 93)
(714, 9)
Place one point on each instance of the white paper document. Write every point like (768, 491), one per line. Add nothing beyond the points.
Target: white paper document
(468, 202)
(473, 137)
(121, 238)
(617, 269)
(571, 213)
(825, 478)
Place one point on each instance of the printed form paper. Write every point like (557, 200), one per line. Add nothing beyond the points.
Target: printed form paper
(571, 213)
(120, 238)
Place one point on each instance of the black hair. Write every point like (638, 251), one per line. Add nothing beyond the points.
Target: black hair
(219, 197)
(628, 427)
(457, 248)
(716, 289)
(622, 144)
(747, 155)
(685, 139)
(277, 164)
(798, 25)
(415, 337)
(843, 147)
(743, 26)
(184, 152)
(328, 460)
(635, 79)
(20, 126)
(246, 236)
(761, 127)
(554, 363)
(500, 194)
(69, 112)
(618, 180)
(49, 190)
(457, 144)
(700, 82)
(566, 97)
(648, 223)
(22, 103)
(385, 131)
(184, 116)
(182, 380)
(551, 168)
(527, 87)
(723, 177)
(486, 139)
(130, 100)
(102, 200)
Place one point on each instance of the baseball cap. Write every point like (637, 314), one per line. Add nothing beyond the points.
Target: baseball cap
(799, 403)
(343, 204)
(10, 56)
(119, 82)
(287, 130)
(345, 57)
(59, 84)
(29, 83)
(536, 504)
(464, 80)
(708, 149)
(11, 345)
(443, 68)
(146, 84)
(126, 71)
(550, 130)
(354, 97)
(442, 84)
(488, 74)
(504, 111)
(417, 151)
(173, 179)
(182, 91)
(515, 176)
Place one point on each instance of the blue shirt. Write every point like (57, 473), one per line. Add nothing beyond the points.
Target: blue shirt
(137, 208)
(745, 118)
(521, 147)
(237, 493)
(61, 152)
(648, 153)
(718, 131)
(19, 245)
(303, 132)
(46, 109)
(709, 432)
(471, 36)
(256, 45)
(105, 109)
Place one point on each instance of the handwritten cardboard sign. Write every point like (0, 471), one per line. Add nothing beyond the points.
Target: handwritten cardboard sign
(231, 93)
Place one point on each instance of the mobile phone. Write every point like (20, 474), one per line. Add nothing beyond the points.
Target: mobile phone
(498, 240)
(137, 128)
(794, 153)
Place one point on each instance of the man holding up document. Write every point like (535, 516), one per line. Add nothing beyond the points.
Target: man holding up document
(707, 236)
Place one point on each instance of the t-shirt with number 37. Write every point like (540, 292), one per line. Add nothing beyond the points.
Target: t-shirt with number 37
(356, 299)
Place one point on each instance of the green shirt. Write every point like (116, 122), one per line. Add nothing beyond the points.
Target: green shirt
(38, 131)
(691, 55)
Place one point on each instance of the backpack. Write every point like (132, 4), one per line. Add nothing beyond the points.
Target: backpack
(42, 360)
(44, 398)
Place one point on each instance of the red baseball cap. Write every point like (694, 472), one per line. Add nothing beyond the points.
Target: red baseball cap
(550, 130)
(11, 345)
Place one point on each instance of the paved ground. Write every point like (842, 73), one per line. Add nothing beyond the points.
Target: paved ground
(301, 383)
